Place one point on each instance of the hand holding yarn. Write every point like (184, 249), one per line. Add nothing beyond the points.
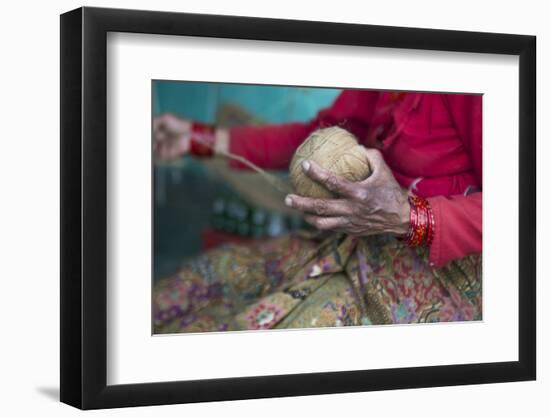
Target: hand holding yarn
(174, 137)
(373, 205)
(334, 149)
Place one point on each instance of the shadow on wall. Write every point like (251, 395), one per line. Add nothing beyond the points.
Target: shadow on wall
(50, 392)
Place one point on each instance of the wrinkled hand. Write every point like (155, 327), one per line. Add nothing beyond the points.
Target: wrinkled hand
(170, 136)
(373, 206)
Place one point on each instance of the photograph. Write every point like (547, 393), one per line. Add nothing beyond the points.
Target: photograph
(266, 206)
(300, 207)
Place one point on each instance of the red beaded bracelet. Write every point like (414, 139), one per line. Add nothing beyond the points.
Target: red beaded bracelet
(421, 223)
(203, 139)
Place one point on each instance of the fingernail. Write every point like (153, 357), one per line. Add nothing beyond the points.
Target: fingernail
(288, 201)
(306, 165)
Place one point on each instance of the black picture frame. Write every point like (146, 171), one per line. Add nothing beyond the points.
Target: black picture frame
(84, 207)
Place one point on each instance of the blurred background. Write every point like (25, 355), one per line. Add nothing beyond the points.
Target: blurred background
(200, 204)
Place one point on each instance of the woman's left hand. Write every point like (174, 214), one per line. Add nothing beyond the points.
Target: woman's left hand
(373, 206)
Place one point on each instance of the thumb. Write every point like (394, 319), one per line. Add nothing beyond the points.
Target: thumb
(376, 162)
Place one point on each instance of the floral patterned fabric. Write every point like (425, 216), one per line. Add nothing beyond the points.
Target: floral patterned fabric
(302, 281)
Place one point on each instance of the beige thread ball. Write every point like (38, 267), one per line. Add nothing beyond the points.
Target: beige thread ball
(334, 149)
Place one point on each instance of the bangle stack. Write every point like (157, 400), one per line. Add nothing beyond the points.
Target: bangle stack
(203, 139)
(421, 224)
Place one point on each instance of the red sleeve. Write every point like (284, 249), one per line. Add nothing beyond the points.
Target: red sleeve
(272, 146)
(458, 219)
(458, 227)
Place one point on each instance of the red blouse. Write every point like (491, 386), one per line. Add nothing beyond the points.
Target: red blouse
(432, 143)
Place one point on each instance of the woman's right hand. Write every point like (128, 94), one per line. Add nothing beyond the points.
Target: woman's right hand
(171, 137)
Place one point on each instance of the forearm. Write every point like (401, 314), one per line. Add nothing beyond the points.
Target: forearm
(268, 146)
(272, 146)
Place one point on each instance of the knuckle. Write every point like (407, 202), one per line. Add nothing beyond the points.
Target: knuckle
(356, 211)
(332, 182)
(320, 224)
(359, 194)
(320, 207)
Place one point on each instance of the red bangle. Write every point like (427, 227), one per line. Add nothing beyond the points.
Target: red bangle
(431, 227)
(421, 223)
(203, 139)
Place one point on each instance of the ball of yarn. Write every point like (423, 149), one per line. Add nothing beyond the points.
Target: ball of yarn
(334, 149)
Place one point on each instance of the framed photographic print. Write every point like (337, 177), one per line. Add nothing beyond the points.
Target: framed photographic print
(258, 207)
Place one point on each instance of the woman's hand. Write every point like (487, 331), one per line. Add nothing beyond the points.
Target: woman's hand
(373, 206)
(170, 136)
